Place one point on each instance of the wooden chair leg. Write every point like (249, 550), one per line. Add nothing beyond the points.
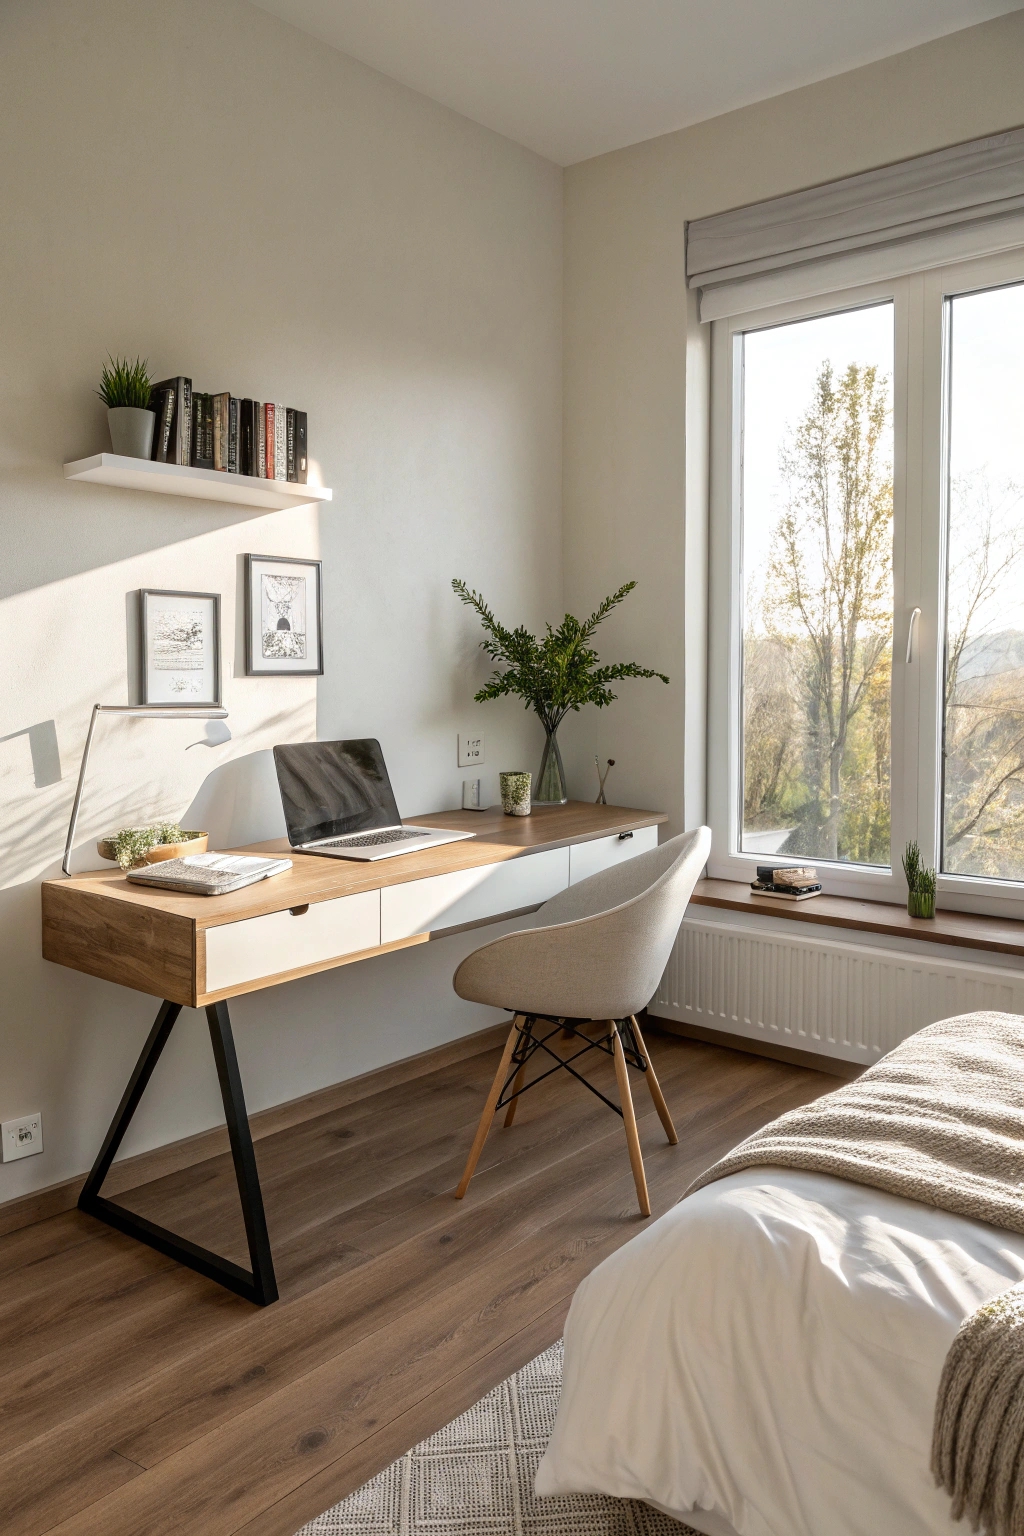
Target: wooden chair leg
(510, 1113)
(655, 1087)
(629, 1120)
(488, 1114)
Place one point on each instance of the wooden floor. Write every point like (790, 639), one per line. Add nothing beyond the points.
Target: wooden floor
(137, 1397)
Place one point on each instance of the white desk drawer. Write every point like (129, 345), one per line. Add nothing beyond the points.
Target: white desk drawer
(602, 852)
(468, 895)
(266, 946)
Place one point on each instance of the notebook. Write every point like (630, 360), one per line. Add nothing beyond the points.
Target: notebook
(208, 874)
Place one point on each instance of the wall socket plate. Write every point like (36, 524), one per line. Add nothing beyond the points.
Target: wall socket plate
(21, 1138)
(471, 751)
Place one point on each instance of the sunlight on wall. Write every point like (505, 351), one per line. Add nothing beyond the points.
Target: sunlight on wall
(140, 769)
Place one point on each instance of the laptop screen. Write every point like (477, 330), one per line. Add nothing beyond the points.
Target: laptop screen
(329, 788)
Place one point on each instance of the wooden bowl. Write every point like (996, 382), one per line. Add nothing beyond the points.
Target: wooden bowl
(194, 842)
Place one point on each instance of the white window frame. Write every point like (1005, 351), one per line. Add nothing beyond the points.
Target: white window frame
(920, 415)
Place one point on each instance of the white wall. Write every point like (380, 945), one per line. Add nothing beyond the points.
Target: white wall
(196, 181)
(636, 363)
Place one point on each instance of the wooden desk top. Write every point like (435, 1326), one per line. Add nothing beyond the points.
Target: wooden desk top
(314, 878)
(156, 941)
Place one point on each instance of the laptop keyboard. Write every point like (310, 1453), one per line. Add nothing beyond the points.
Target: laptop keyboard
(372, 839)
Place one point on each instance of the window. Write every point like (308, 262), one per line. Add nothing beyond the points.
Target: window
(816, 530)
(867, 585)
(983, 757)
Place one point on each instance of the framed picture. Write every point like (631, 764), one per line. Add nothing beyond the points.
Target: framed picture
(283, 623)
(180, 650)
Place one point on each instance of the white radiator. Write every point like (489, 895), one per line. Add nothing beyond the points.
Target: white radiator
(854, 1001)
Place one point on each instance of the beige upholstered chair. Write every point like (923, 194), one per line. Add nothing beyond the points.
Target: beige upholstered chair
(597, 958)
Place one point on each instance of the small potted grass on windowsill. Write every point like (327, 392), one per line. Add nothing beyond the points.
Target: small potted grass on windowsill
(920, 884)
(125, 389)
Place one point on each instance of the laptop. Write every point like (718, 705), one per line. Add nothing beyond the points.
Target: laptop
(338, 802)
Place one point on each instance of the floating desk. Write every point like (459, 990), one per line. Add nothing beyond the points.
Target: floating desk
(199, 951)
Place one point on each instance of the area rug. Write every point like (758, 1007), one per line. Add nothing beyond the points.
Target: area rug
(475, 1478)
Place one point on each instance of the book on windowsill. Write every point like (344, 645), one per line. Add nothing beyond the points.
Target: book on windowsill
(208, 874)
(784, 892)
(798, 876)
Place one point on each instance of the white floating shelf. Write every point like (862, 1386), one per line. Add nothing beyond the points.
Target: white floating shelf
(204, 484)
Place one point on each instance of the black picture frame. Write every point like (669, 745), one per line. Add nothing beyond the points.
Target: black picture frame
(149, 682)
(257, 664)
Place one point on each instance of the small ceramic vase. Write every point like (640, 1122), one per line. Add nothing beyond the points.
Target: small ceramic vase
(921, 904)
(515, 793)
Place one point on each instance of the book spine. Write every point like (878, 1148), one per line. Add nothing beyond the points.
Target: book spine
(301, 448)
(208, 431)
(220, 431)
(245, 457)
(261, 442)
(233, 436)
(280, 442)
(268, 412)
(290, 443)
(164, 426)
(185, 421)
(196, 432)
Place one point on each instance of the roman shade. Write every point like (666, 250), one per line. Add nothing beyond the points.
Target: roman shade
(947, 206)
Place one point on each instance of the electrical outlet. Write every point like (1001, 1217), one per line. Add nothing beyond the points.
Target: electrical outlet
(471, 751)
(21, 1138)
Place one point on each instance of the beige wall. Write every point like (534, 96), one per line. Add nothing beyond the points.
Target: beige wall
(636, 365)
(198, 182)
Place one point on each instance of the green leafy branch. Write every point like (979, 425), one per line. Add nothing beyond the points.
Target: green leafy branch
(556, 673)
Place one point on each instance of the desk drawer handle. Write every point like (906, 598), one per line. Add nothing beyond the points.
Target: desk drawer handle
(298, 911)
(624, 836)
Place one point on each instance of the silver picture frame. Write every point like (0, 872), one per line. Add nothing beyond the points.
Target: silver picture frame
(179, 648)
(283, 616)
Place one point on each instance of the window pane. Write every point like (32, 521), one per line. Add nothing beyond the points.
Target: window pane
(817, 587)
(983, 778)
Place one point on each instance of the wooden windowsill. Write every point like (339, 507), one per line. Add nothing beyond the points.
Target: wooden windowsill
(965, 930)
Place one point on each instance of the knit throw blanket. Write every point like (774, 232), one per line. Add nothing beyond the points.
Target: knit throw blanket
(939, 1120)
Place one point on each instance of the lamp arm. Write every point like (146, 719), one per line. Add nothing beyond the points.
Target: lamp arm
(65, 863)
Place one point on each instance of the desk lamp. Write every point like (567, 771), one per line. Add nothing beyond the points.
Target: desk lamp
(149, 712)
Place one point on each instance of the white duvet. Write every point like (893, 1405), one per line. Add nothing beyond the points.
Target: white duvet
(763, 1360)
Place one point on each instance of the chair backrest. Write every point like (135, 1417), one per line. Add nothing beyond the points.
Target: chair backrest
(600, 947)
(659, 875)
(626, 920)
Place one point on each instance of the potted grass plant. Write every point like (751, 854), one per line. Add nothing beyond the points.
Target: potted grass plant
(920, 884)
(553, 674)
(125, 389)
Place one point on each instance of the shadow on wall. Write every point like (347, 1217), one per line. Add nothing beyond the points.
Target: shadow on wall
(42, 744)
(239, 802)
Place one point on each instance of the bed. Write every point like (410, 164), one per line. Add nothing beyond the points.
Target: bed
(764, 1359)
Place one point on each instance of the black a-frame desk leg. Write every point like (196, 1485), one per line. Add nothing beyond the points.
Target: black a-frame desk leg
(260, 1286)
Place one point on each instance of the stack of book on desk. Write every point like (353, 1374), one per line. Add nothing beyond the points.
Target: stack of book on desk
(793, 884)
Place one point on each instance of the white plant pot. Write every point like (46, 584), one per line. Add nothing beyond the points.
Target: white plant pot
(131, 431)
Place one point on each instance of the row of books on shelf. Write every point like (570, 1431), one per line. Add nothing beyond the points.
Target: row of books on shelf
(242, 437)
(796, 883)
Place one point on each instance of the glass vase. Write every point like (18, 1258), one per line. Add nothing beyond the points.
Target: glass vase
(921, 904)
(551, 779)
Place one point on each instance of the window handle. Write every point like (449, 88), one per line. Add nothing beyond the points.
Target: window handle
(910, 634)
